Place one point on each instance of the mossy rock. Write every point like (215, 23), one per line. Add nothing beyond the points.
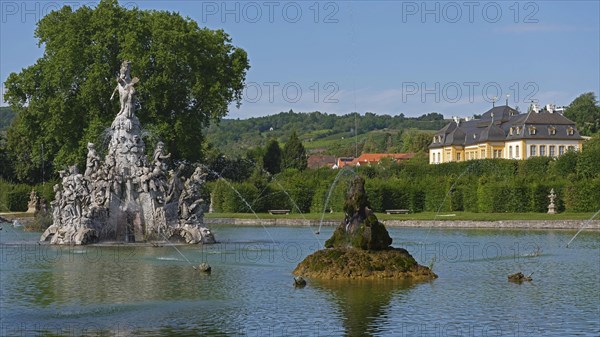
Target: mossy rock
(367, 236)
(360, 229)
(350, 263)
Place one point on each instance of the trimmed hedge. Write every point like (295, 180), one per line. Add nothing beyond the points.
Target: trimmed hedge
(583, 196)
(489, 186)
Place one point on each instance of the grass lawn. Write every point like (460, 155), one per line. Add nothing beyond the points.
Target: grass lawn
(16, 214)
(448, 216)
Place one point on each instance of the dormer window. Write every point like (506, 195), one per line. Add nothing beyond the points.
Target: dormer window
(510, 131)
(551, 130)
(532, 130)
(518, 130)
(570, 131)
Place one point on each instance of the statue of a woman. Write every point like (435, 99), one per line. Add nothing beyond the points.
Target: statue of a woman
(126, 90)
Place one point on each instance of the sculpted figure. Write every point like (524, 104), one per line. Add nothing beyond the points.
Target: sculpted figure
(33, 204)
(175, 185)
(56, 203)
(159, 155)
(145, 178)
(92, 162)
(125, 87)
(190, 201)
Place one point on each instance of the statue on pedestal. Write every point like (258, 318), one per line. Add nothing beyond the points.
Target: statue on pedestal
(552, 207)
(125, 87)
(33, 204)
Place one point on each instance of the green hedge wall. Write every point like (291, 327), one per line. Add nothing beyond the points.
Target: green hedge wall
(487, 186)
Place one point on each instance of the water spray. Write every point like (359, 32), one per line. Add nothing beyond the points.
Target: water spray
(242, 198)
(333, 184)
(585, 223)
(178, 251)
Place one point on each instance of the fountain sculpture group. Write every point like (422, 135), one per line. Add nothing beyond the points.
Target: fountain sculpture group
(126, 197)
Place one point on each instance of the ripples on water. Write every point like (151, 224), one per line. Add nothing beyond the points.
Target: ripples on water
(154, 291)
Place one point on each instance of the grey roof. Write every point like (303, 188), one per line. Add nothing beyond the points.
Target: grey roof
(496, 123)
(492, 133)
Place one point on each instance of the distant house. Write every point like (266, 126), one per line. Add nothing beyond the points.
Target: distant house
(375, 158)
(503, 132)
(318, 161)
(372, 158)
(343, 161)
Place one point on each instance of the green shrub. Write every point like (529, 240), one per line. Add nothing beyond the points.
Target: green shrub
(534, 168)
(583, 196)
(417, 198)
(436, 194)
(18, 198)
(539, 198)
(519, 198)
(239, 198)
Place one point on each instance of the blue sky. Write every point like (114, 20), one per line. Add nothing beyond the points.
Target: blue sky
(386, 57)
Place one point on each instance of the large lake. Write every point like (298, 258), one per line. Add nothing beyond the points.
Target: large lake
(154, 291)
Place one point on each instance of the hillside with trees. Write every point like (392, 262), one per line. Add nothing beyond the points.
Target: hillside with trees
(322, 132)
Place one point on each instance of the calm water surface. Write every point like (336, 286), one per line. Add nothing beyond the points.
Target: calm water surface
(154, 291)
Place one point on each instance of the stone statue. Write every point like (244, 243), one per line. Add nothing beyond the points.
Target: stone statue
(93, 161)
(122, 198)
(552, 206)
(191, 203)
(159, 155)
(125, 87)
(175, 185)
(33, 204)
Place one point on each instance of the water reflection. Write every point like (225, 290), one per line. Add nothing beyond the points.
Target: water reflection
(92, 275)
(363, 304)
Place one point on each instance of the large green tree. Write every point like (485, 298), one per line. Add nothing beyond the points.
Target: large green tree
(588, 160)
(272, 158)
(188, 75)
(584, 111)
(416, 141)
(294, 153)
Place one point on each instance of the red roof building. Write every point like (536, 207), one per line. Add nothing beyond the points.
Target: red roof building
(372, 158)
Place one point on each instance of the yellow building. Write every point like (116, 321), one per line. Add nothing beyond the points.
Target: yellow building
(503, 132)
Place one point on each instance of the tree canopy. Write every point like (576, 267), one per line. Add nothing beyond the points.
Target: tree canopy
(584, 111)
(272, 158)
(294, 153)
(188, 76)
